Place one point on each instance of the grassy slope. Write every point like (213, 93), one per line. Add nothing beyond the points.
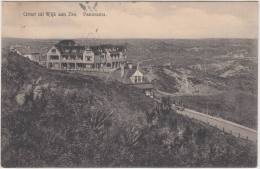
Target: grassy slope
(113, 94)
(233, 105)
(58, 129)
(238, 99)
(66, 93)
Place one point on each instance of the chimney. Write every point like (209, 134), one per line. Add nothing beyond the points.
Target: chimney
(137, 68)
(130, 65)
(122, 70)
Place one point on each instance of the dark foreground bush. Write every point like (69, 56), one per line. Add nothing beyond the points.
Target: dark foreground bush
(57, 126)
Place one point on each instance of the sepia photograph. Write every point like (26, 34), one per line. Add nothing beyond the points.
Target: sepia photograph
(129, 84)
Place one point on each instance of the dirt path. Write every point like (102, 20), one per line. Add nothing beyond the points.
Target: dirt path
(226, 126)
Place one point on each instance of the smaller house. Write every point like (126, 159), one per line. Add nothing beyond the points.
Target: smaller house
(137, 77)
(34, 56)
(134, 76)
(27, 52)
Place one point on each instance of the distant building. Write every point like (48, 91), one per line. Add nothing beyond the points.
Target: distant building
(67, 55)
(137, 77)
(34, 56)
(26, 52)
(134, 76)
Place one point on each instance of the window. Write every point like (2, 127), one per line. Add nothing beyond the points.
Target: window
(88, 58)
(53, 50)
(140, 78)
(54, 57)
(81, 65)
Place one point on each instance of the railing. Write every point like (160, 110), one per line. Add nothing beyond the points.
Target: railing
(87, 69)
(224, 125)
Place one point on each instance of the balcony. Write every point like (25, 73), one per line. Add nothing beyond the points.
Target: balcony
(72, 59)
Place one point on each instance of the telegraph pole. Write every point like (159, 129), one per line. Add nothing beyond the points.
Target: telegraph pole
(207, 106)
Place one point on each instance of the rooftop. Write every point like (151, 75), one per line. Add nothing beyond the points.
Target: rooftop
(27, 50)
(66, 43)
(69, 47)
(108, 47)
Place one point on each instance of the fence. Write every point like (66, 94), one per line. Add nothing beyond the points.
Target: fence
(224, 125)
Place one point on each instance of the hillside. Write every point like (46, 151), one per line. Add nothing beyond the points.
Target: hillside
(29, 90)
(59, 119)
(229, 87)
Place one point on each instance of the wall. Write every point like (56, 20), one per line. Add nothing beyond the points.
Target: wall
(224, 125)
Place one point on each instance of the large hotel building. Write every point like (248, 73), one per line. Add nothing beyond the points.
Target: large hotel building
(67, 55)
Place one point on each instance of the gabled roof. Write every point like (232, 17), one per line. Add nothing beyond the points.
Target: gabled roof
(67, 43)
(137, 73)
(69, 47)
(26, 50)
(127, 74)
(108, 47)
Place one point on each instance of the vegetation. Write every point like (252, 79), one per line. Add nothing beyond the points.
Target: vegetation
(234, 106)
(165, 82)
(57, 119)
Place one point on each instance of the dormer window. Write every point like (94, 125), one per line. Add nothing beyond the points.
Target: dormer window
(74, 50)
(53, 50)
(88, 58)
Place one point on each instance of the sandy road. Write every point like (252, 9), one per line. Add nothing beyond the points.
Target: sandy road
(224, 125)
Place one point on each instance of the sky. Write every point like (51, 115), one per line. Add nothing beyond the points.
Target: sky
(132, 20)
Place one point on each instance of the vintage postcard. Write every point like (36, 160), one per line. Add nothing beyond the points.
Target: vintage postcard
(129, 84)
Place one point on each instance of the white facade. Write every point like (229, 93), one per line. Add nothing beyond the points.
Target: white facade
(137, 77)
(53, 58)
(89, 56)
(66, 55)
(53, 54)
